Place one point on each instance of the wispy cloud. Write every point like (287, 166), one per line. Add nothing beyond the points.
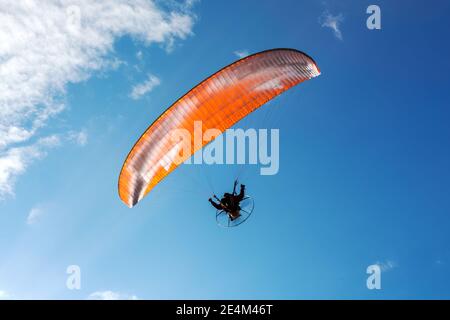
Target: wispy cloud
(15, 161)
(327, 20)
(141, 89)
(78, 137)
(241, 53)
(48, 44)
(5, 295)
(111, 295)
(35, 214)
(387, 265)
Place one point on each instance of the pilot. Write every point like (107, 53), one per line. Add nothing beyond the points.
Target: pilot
(230, 202)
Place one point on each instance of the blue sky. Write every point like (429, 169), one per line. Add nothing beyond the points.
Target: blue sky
(364, 154)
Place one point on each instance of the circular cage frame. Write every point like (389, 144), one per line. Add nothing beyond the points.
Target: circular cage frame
(223, 218)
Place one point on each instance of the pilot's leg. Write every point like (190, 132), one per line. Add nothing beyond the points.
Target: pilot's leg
(240, 196)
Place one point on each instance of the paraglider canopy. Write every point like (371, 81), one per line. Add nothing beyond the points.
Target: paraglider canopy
(218, 102)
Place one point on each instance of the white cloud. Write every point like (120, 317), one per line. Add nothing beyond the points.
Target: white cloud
(44, 45)
(5, 295)
(241, 53)
(387, 265)
(15, 161)
(141, 89)
(34, 215)
(80, 137)
(139, 55)
(328, 20)
(111, 295)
